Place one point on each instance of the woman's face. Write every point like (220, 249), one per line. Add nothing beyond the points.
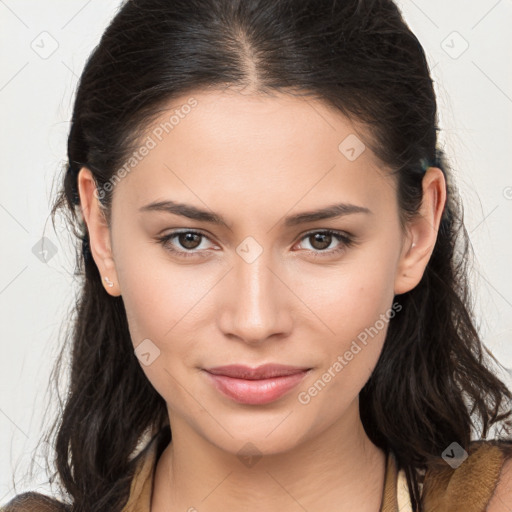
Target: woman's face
(250, 283)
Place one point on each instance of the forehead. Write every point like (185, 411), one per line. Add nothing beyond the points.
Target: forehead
(246, 146)
(221, 120)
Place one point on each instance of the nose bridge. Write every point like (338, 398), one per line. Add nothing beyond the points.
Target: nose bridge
(256, 308)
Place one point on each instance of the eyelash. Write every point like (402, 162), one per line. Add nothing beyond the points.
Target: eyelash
(346, 239)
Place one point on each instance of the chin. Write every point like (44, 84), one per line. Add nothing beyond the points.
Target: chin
(272, 438)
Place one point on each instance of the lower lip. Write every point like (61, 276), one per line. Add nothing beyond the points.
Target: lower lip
(256, 392)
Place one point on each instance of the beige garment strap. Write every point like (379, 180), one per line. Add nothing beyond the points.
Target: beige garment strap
(141, 487)
(389, 502)
(396, 496)
(403, 497)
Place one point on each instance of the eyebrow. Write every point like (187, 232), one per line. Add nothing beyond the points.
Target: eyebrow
(192, 212)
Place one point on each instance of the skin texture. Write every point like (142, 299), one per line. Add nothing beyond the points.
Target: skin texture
(254, 160)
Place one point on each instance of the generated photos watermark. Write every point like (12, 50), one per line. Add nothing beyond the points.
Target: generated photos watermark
(304, 397)
(149, 143)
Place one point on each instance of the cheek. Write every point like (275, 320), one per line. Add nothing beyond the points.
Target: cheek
(160, 305)
(352, 296)
(154, 301)
(156, 293)
(359, 321)
(159, 302)
(355, 304)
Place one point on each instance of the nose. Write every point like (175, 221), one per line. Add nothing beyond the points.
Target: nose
(257, 302)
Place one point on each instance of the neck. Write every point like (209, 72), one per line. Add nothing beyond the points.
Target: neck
(338, 469)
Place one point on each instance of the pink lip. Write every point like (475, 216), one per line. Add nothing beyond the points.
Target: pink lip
(255, 386)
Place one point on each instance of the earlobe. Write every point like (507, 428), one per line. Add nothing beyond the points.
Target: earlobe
(99, 231)
(422, 232)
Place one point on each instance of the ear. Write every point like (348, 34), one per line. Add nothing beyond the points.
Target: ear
(99, 231)
(422, 232)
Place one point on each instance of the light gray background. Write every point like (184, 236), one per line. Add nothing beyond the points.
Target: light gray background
(37, 87)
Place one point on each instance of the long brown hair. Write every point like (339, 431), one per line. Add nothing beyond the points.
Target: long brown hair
(358, 56)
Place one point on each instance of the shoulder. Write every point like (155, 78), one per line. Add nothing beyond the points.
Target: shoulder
(479, 480)
(501, 500)
(33, 502)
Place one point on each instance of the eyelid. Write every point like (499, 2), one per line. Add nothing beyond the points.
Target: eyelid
(346, 240)
(164, 240)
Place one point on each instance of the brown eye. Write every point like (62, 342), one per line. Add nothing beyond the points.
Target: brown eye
(184, 243)
(321, 240)
(189, 240)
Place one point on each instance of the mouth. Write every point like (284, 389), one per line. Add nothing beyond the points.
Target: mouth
(255, 386)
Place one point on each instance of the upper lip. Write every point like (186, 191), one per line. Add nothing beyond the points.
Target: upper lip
(265, 371)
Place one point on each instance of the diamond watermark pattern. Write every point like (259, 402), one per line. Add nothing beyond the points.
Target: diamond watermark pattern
(455, 455)
(147, 352)
(44, 250)
(45, 45)
(249, 455)
(351, 147)
(454, 45)
(249, 250)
